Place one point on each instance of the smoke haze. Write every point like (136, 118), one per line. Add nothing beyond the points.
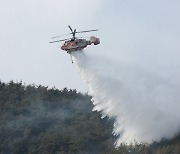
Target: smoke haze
(146, 106)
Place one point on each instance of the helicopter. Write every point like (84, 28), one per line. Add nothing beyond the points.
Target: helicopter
(75, 43)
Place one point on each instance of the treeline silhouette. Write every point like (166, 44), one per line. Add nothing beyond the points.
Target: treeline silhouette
(41, 120)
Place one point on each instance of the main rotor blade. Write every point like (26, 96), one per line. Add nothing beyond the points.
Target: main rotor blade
(83, 37)
(61, 35)
(74, 33)
(58, 41)
(87, 31)
(70, 28)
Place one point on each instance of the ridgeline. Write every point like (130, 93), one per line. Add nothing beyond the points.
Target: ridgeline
(41, 120)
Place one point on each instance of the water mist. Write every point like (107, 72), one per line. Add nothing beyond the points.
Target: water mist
(146, 107)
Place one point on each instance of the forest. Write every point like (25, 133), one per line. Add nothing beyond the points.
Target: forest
(36, 119)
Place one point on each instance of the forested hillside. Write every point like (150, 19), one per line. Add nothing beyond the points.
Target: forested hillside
(41, 120)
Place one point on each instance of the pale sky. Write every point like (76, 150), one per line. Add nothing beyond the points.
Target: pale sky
(144, 32)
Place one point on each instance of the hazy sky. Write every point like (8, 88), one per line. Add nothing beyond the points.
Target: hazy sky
(145, 32)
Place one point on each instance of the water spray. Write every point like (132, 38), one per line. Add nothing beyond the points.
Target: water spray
(145, 106)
